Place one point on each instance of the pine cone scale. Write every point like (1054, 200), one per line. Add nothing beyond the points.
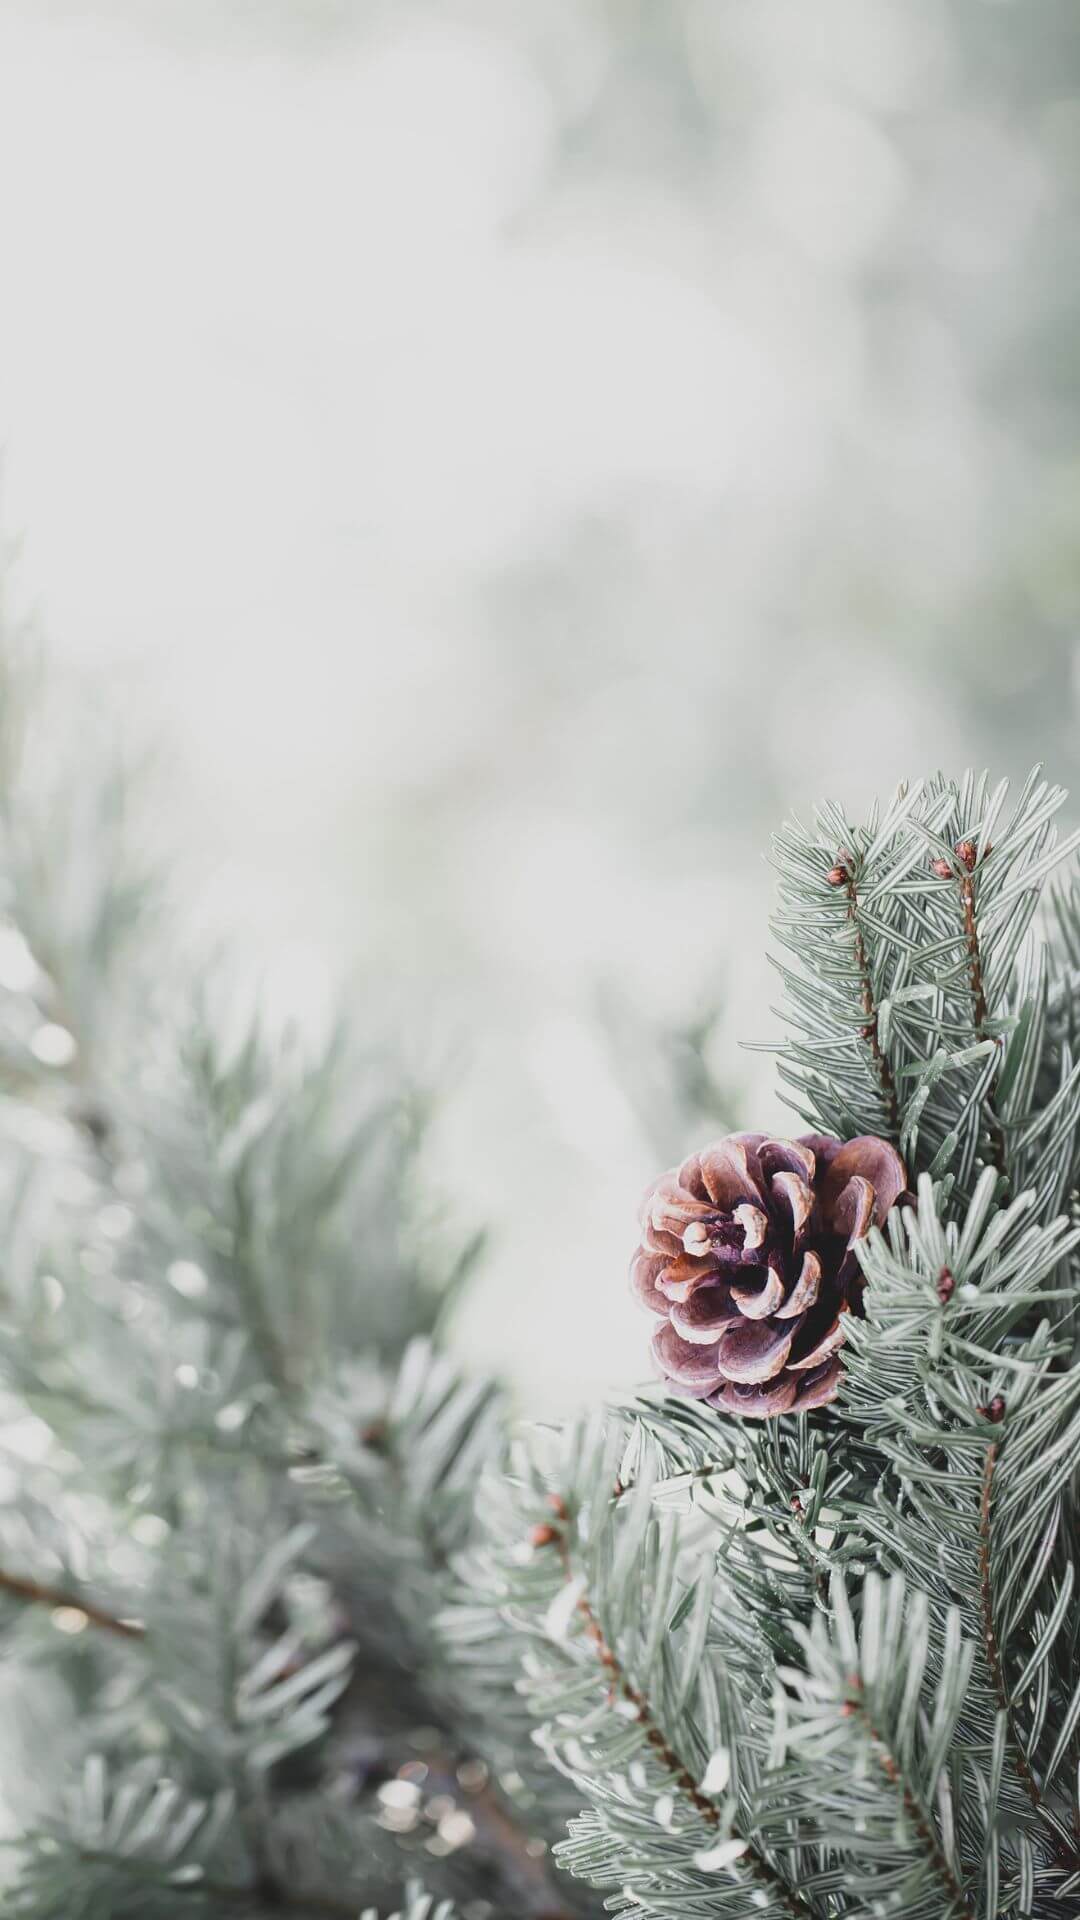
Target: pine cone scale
(705, 1315)
(753, 1351)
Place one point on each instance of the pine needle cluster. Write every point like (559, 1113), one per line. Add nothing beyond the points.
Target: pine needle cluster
(830, 1665)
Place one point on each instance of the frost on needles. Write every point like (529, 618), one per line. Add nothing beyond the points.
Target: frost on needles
(259, 1534)
(236, 1458)
(830, 1665)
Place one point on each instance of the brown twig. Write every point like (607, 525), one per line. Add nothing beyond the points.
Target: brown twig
(990, 1640)
(800, 1520)
(657, 1739)
(1071, 1859)
(980, 1009)
(971, 933)
(37, 1594)
(915, 1811)
(870, 1030)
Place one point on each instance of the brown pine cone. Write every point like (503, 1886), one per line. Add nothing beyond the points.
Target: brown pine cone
(746, 1260)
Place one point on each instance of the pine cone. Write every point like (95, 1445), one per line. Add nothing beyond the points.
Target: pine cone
(746, 1259)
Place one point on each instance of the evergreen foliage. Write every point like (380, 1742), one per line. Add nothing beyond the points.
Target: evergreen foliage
(257, 1530)
(235, 1459)
(830, 1665)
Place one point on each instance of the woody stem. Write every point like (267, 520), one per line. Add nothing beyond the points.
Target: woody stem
(661, 1746)
(919, 1818)
(992, 1649)
(38, 1594)
(871, 1030)
(981, 1010)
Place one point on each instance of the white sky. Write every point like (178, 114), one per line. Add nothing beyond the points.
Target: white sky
(305, 353)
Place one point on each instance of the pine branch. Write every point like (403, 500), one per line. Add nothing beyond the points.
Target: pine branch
(955, 1897)
(670, 1760)
(901, 989)
(870, 1687)
(967, 853)
(871, 1031)
(1068, 1853)
(990, 1639)
(945, 1313)
(36, 1593)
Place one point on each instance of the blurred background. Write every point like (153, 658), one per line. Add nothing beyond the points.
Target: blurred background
(509, 456)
